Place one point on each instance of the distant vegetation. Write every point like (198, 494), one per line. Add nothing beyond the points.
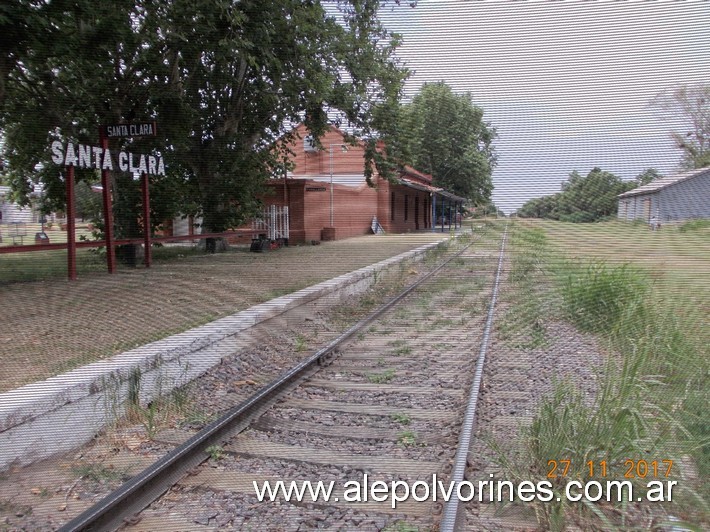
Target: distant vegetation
(694, 225)
(585, 199)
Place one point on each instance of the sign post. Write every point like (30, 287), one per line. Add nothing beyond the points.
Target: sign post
(71, 228)
(76, 155)
(147, 255)
(117, 131)
(108, 210)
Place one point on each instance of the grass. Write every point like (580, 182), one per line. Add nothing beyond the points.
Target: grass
(400, 347)
(55, 325)
(522, 326)
(694, 225)
(651, 400)
(215, 452)
(98, 473)
(402, 419)
(381, 378)
(407, 439)
(596, 294)
(300, 343)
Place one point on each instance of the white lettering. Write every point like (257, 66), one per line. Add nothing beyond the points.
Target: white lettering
(107, 161)
(655, 491)
(446, 494)
(123, 161)
(545, 487)
(471, 491)
(420, 498)
(141, 165)
(97, 156)
(379, 491)
(352, 491)
(152, 163)
(84, 156)
(588, 491)
(399, 498)
(57, 152)
(568, 491)
(524, 488)
(619, 485)
(70, 156)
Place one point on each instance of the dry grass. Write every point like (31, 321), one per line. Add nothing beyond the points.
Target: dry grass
(680, 261)
(49, 327)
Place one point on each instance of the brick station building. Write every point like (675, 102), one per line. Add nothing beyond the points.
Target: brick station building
(328, 197)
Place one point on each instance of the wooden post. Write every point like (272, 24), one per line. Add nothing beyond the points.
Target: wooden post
(147, 256)
(108, 210)
(71, 229)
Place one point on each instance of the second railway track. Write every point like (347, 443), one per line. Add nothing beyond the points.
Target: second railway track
(385, 405)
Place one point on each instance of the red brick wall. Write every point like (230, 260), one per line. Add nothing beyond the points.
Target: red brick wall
(405, 200)
(353, 207)
(310, 163)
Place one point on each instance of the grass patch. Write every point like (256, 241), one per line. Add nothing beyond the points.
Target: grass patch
(523, 326)
(402, 419)
(596, 294)
(694, 225)
(215, 452)
(650, 401)
(300, 343)
(402, 350)
(99, 473)
(407, 439)
(381, 378)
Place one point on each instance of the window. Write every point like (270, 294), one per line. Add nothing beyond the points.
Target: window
(406, 207)
(392, 206)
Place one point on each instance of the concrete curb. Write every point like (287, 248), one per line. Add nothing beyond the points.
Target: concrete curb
(63, 412)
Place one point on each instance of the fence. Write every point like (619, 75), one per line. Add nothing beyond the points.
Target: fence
(273, 222)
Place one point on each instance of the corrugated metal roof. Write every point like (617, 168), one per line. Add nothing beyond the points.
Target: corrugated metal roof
(664, 182)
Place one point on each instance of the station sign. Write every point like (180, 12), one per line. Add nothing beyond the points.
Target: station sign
(96, 157)
(143, 129)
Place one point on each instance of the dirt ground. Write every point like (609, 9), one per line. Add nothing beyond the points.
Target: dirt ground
(49, 327)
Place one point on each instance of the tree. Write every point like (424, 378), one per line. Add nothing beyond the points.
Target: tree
(587, 198)
(82, 65)
(444, 135)
(645, 177)
(222, 78)
(233, 74)
(544, 207)
(591, 198)
(688, 108)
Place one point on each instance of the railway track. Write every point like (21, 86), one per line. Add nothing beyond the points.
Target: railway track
(384, 402)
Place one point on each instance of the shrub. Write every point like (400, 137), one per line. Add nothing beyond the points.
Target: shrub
(694, 225)
(596, 296)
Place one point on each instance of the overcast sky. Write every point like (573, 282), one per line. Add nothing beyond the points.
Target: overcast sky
(567, 85)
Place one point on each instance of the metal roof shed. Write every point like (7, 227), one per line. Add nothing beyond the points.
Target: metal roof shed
(680, 197)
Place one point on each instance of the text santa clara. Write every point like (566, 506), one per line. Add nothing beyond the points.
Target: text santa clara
(85, 156)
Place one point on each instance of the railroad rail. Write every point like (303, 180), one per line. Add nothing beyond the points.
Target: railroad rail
(350, 368)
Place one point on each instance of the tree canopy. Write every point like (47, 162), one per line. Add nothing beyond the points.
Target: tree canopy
(648, 175)
(444, 134)
(688, 109)
(222, 79)
(587, 198)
